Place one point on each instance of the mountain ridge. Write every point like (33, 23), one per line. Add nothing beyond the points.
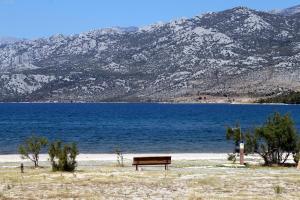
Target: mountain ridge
(236, 52)
(288, 11)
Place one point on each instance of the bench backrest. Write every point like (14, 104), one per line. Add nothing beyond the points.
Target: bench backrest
(158, 160)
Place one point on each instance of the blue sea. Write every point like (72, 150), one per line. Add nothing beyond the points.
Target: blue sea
(135, 128)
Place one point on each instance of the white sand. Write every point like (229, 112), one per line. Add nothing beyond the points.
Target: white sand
(112, 157)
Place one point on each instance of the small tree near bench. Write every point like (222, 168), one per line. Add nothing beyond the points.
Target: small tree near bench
(32, 147)
(63, 156)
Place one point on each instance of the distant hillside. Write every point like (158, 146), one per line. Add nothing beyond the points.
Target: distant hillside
(237, 52)
(289, 11)
(8, 40)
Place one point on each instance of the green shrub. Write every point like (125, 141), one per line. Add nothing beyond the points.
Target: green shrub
(231, 157)
(63, 156)
(278, 189)
(32, 148)
(275, 140)
(236, 135)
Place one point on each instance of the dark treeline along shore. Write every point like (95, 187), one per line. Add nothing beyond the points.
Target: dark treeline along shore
(142, 128)
(290, 97)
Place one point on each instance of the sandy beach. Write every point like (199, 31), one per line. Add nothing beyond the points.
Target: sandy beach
(190, 176)
(15, 158)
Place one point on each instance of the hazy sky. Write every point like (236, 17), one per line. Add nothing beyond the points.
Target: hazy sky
(39, 18)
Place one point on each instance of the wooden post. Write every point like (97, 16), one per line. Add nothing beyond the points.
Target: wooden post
(22, 168)
(242, 153)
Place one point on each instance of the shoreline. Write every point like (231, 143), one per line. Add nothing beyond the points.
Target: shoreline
(15, 158)
(186, 103)
(128, 157)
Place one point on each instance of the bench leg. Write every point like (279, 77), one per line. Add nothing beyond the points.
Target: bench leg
(165, 167)
(136, 167)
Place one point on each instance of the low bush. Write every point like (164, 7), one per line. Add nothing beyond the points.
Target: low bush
(231, 157)
(278, 189)
(63, 156)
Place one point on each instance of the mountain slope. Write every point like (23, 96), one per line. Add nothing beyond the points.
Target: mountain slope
(289, 11)
(8, 40)
(237, 52)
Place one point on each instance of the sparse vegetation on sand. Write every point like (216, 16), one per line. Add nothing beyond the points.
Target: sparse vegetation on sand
(199, 179)
(62, 156)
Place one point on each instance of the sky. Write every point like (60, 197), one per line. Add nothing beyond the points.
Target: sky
(42, 18)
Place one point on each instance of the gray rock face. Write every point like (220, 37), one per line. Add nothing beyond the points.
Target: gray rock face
(234, 52)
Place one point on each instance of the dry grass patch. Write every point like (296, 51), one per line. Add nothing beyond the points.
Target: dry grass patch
(185, 181)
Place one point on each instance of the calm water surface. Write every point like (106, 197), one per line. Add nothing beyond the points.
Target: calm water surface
(99, 128)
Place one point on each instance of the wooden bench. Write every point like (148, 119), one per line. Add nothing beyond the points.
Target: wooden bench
(158, 160)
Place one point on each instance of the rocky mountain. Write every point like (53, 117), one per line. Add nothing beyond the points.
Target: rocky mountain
(8, 40)
(289, 11)
(236, 52)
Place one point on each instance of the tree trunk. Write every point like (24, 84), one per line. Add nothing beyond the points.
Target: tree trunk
(265, 157)
(36, 160)
(286, 157)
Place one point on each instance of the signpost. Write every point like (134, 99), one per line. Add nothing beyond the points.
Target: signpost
(241, 147)
(242, 153)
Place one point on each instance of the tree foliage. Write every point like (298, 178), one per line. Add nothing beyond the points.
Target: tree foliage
(235, 134)
(63, 156)
(275, 140)
(296, 154)
(32, 148)
(290, 97)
